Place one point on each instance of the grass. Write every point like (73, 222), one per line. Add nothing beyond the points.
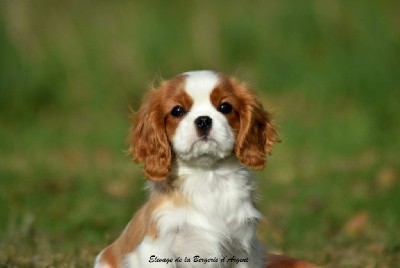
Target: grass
(328, 69)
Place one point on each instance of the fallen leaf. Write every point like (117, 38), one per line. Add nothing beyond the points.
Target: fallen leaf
(357, 223)
(386, 177)
(117, 188)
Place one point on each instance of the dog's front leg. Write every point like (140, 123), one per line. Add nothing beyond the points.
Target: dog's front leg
(152, 253)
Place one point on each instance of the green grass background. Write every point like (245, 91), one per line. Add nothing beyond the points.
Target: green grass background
(329, 70)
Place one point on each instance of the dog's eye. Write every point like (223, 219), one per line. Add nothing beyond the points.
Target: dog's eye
(225, 108)
(178, 111)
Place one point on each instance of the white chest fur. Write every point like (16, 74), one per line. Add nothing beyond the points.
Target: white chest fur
(218, 221)
(223, 194)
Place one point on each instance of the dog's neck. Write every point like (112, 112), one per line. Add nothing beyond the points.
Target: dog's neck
(222, 166)
(183, 172)
(222, 188)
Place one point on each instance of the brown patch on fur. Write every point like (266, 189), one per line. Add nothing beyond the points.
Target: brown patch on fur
(142, 225)
(153, 127)
(255, 133)
(224, 93)
(133, 234)
(180, 98)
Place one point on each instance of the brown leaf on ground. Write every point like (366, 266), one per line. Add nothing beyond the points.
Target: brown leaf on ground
(386, 177)
(357, 223)
(117, 188)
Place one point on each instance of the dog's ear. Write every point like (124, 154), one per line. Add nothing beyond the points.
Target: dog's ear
(257, 133)
(148, 139)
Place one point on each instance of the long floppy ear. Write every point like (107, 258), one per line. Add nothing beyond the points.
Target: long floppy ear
(257, 134)
(148, 140)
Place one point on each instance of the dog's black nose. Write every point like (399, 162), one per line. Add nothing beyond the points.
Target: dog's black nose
(203, 123)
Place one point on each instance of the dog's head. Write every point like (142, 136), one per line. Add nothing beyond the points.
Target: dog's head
(200, 118)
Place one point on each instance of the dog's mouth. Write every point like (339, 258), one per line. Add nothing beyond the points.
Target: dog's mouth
(203, 146)
(205, 138)
(204, 142)
(205, 150)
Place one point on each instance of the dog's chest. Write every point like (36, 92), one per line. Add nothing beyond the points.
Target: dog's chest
(219, 217)
(222, 201)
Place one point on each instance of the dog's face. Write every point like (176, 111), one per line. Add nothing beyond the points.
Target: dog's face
(204, 133)
(199, 118)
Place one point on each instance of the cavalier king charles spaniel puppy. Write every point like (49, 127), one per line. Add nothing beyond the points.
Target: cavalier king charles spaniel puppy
(198, 136)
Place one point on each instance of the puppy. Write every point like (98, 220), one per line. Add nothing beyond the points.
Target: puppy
(198, 135)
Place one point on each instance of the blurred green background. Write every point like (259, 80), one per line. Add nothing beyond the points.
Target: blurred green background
(329, 70)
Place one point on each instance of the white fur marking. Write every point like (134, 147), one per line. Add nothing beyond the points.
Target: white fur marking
(199, 85)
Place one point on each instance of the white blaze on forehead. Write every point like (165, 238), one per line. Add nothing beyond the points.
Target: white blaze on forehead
(200, 84)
